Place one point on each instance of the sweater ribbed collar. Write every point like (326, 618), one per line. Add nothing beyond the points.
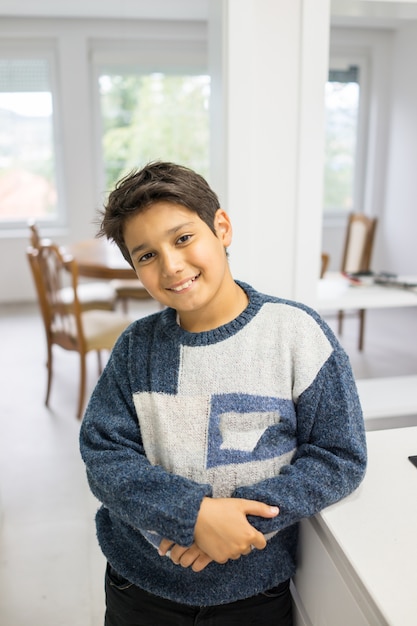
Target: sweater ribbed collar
(172, 329)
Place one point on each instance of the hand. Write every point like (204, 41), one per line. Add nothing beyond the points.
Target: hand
(186, 557)
(222, 531)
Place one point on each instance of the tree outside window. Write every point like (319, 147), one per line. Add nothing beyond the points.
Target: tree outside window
(154, 116)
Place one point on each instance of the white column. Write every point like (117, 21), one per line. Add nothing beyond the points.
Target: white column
(269, 62)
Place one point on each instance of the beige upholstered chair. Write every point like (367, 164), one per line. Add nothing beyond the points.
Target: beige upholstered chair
(357, 255)
(359, 241)
(65, 322)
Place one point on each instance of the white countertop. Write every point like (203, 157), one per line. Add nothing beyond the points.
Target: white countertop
(375, 528)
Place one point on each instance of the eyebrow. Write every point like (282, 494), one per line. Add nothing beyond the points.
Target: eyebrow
(170, 231)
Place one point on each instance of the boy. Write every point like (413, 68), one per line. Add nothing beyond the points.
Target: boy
(216, 426)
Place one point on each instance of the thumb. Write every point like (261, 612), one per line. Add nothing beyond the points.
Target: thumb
(253, 507)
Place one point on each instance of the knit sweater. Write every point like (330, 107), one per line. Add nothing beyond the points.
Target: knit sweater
(264, 408)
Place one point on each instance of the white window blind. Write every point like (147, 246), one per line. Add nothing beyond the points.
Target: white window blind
(28, 173)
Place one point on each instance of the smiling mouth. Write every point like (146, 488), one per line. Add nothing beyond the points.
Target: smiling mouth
(185, 285)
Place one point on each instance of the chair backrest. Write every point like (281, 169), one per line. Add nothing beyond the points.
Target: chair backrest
(359, 241)
(51, 272)
(35, 238)
(325, 260)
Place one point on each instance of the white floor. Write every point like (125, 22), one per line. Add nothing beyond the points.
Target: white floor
(51, 569)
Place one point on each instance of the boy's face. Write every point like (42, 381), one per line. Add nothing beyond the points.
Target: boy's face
(182, 263)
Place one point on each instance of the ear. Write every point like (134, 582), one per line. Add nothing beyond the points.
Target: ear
(223, 227)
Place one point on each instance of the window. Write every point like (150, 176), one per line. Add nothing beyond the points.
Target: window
(153, 116)
(342, 103)
(28, 169)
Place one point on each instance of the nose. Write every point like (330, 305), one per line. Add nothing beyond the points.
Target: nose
(171, 262)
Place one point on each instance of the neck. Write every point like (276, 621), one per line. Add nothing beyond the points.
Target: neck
(237, 302)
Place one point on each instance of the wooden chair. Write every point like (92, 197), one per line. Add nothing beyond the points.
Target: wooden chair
(92, 295)
(325, 260)
(357, 254)
(66, 324)
(129, 289)
(35, 236)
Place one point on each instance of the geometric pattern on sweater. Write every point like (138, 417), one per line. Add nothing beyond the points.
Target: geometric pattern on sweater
(243, 430)
(237, 435)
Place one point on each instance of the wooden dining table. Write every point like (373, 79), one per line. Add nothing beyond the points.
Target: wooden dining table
(99, 258)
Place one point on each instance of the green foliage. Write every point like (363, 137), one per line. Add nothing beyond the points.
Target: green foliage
(342, 101)
(151, 117)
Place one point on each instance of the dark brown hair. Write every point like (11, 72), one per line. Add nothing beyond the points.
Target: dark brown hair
(157, 181)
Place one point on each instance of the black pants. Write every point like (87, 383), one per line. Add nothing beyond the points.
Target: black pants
(128, 605)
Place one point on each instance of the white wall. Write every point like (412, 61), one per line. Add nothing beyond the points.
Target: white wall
(398, 229)
(272, 72)
(276, 67)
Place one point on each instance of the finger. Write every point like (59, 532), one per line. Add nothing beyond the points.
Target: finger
(164, 546)
(201, 563)
(252, 507)
(176, 553)
(189, 556)
(248, 550)
(258, 542)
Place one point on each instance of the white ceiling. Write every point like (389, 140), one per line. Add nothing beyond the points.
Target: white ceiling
(373, 13)
(145, 9)
(370, 13)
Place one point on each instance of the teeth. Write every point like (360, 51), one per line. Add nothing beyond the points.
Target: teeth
(184, 286)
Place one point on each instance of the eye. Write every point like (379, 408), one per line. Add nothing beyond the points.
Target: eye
(146, 257)
(184, 238)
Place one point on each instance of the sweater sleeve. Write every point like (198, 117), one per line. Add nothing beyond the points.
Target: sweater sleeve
(330, 459)
(143, 495)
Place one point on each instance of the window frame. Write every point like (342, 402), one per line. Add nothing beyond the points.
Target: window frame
(342, 59)
(45, 49)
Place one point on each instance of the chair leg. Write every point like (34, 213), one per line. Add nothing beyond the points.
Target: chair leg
(361, 328)
(340, 318)
(99, 362)
(49, 370)
(83, 373)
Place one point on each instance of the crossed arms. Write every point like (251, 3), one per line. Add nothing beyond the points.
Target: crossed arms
(222, 532)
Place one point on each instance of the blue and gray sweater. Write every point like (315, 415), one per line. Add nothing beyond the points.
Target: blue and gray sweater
(264, 408)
